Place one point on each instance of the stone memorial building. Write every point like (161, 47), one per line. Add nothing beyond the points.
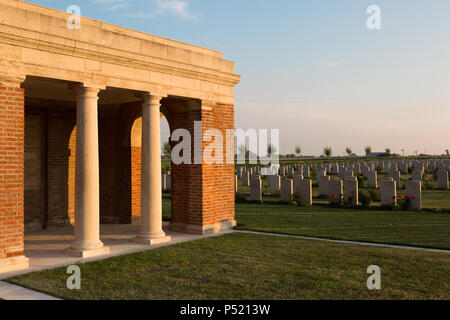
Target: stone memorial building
(78, 108)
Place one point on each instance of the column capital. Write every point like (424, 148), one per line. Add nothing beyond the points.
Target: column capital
(151, 99)
(86, 91)
(12, 80)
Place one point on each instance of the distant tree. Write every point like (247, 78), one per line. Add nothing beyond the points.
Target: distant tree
(349, 151)
(368, 150)
(167, 149)
(388, 151)
(403, 152)
(298, 151)
(447, 152)
(327, 151)
(271, 150)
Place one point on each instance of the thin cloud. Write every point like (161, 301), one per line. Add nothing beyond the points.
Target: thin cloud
(113, 5)
(117, 6)
(141, 15)
(178, 8)
(108, 1)
(175, 7)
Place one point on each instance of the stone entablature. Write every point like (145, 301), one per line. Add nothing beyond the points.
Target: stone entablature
(35, 41)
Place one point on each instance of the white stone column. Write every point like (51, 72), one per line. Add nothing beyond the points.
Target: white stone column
(87, 197)
(151, 195)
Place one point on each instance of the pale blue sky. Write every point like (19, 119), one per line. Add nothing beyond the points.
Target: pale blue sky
(313, 69)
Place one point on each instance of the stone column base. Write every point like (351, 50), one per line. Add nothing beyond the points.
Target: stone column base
(203, 230)
(152, 242)
(14, 264)
(87, 253)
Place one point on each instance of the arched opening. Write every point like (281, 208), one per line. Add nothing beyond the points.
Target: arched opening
(136, 147)
(71, 175)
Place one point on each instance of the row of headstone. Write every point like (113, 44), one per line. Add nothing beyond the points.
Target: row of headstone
(394, 168)
(338, 190)
(297, 189)
(413, 193)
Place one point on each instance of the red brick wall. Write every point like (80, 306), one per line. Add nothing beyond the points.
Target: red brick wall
(186, 202)
(218, 199)
(34, 199)
(61, 165)
(115, 167)
(203, 195)
(11, 171)
(135, 181)
(71, 177)
(119, 181)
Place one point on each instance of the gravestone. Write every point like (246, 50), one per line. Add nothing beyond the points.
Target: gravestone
(274, 183)
(396, 176)
(306, 171)
(335, 190)
(417, 174)
(305, 192)
(287, 190)
(246, 178)
(256, 188)
(351, 191)
(413, 190)
(297, 180)
(291, 172)
(239, 172)
(323, 186)
(372, 181)
(388, 192)
(320, 173)
(442, 179)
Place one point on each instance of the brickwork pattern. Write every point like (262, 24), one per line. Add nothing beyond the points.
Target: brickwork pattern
(11, 171)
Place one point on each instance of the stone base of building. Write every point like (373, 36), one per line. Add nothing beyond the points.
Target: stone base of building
(14, 264)
(87, 253)
(152, 242)
(203, 230)
(136, 220)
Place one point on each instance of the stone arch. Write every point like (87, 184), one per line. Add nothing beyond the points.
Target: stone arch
(135, 140)
(72, 146)
(135, 146)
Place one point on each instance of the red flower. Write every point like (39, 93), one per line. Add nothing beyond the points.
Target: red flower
(400, 196)
(414, 198)
(333, 197)
(407, 198)
(393, 198)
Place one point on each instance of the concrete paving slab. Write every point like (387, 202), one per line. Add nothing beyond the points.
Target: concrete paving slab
(12, 292)
(45, 248)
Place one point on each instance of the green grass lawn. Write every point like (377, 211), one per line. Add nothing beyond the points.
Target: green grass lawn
(247, 266)
(393, 227)
(424, 229)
